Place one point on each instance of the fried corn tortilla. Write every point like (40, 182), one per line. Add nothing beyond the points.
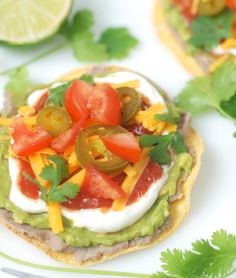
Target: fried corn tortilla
(179, 206)
(198, 64)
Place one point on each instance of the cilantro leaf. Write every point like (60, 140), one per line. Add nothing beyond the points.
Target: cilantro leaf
(18, 87)
(208, 31)
(215, 90)
(118, 42)
(88, 78)
(55, 172)
(178, 143)
(161, 143)
(86, 49)
(234, 135)
(166, 117)
(63, 192)
(56, 95)
(82, 21)
(208, 258)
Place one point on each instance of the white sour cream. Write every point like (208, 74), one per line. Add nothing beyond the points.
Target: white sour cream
(95, 219)
(16, 196)
(221, 51)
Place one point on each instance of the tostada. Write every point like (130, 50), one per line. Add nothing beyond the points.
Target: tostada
(97, 164)
(202, 33)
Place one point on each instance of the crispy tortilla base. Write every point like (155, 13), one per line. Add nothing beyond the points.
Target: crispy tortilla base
(178, 208)
(167, 34)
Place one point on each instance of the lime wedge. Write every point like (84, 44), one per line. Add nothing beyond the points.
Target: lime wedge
(29, 21)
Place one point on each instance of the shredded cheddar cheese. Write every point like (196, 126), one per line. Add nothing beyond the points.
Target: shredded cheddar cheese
(37, 164)
(194, 7)
(26, 111)
(147, 118)
(229, 43)
(130, 182)
(130, 171)
(131, 84)
(218, 62)
(55, 217)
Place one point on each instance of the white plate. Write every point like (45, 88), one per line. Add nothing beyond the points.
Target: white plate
(213, 202)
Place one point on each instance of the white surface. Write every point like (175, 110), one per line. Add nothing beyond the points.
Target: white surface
(213, 203)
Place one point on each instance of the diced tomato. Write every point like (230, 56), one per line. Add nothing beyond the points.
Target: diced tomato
(28, 141)
(41, 102)
(138, 129)
(119, 178)
(83, 201)
(66, 139)
(28, 188)
(185, 7)
(99, 185)
(152, 173)
(124, 145)
(76, 98)
(104, 105)
(231, 4)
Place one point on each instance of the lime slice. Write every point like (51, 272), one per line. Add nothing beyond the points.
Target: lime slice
(29, 21)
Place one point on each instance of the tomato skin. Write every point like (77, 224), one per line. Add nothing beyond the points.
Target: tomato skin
(27, 188)
(97, 184)
(67, 138)
(83, 201)
(185, 7)
(104, 105)
(27, 141)
(152, 173)
(231, 4)
(124, 145)
(76, 98)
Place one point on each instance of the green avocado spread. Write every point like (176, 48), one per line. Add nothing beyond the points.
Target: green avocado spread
(82, 237)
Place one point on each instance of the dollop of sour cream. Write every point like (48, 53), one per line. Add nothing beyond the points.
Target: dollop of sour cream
(95, 219)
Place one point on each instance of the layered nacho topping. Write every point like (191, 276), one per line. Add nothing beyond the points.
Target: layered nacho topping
(95, 155)
(205, 26)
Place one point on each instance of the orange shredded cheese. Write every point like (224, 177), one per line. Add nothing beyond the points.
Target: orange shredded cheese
(55, 217)
(131, 84)
(130, 182)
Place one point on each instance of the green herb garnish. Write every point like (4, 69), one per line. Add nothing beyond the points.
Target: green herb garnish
(208, 31)
(55, 172)
(217, 90)
(161, 143)
(57, 95)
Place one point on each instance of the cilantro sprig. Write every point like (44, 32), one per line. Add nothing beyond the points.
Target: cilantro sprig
(55, 172)
(208, 258)
(161, 143)
(217, 90)
(208, 31)
(77, 33)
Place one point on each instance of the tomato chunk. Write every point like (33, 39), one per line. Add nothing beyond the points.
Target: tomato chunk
(124, 145)
(83, 201)
(67, 138)
(28, 141)
(97, 184)
(104, 105)
(76, 98)
(28, 188)
(152, 173)
(185, 7)
(231, 4)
